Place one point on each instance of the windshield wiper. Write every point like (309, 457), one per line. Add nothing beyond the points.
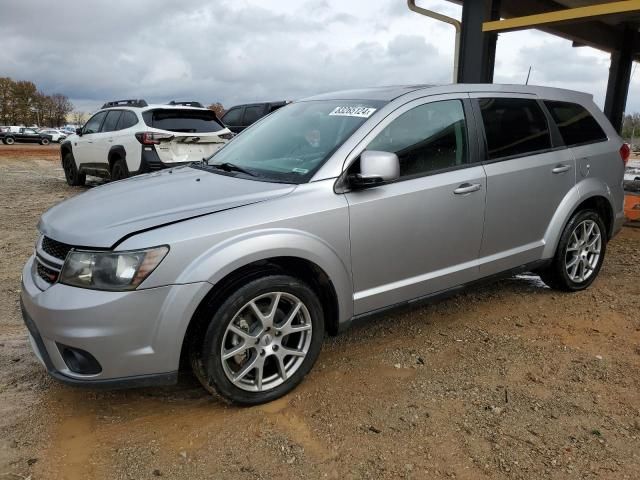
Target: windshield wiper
(231, 167)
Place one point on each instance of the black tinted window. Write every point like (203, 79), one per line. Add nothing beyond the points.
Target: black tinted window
(127, 119)
(514, 126)
(93, 125)
(187, 121)
(251, 114)
(427, 138)
(575, 123)
(232, 117)
(111, 121)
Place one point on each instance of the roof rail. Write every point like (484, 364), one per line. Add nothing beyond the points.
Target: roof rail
(186, 104)
(130, 103)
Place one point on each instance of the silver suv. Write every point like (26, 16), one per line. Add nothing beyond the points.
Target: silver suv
(328, 210)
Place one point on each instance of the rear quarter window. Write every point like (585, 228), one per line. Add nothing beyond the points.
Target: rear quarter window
(183, 121)
(577, 126)
(127, 119)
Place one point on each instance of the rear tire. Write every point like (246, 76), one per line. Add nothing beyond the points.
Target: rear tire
(119, 170)
(9, 141)
(289, 318)
(580, 253)
(44, 141)
(72, 175)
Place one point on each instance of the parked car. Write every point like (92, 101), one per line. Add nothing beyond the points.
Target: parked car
(330, 210)
(241, 116)
(25, 135)
(128, 137)
(68, 131)
(56, 135)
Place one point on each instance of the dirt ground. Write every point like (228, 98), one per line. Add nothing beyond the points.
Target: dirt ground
(508, 381)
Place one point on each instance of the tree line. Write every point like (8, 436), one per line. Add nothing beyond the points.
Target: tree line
(21, 103)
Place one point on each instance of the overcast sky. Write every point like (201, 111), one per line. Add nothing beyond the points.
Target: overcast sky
(251, 50)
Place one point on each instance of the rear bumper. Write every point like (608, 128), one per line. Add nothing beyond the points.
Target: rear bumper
(150, 161)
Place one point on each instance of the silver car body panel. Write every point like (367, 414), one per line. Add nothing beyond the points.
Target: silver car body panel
(379, 247)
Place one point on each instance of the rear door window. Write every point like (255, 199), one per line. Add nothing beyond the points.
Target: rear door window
(184, 121)
(577, 126)
(111, 121)
(233, 117)
(252, 114)
(514, 127)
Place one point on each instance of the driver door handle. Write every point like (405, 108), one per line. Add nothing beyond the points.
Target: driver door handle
(561, 168)
(467, 188)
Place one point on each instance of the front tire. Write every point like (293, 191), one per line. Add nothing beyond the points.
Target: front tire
(44, 141)
(261, 341)
(72, 175)
(9, 141)
(580, 253)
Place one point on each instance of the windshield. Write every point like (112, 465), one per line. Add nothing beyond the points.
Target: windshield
(292, 143)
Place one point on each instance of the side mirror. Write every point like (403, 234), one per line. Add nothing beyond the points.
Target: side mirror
(376, 168)
(79, 131)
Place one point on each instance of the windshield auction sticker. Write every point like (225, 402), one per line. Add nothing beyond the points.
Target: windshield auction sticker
(362, 112)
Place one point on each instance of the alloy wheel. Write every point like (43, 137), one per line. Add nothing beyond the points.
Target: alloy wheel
(583, 251)
(266, 342)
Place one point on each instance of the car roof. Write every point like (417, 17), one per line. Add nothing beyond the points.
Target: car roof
(389, 93)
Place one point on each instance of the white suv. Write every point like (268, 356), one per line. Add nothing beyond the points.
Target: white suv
(128, 137)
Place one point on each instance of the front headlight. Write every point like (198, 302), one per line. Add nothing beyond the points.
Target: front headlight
(110, 270)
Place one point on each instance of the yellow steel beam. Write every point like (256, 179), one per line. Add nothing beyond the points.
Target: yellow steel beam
(561, 16)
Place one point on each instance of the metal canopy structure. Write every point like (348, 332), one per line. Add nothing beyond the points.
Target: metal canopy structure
(611, 26)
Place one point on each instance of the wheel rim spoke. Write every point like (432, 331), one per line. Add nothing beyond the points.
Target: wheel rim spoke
(241, 333)
(290, 351)
(250, 365)
(286, 327)
(282, 370)
(241, 348)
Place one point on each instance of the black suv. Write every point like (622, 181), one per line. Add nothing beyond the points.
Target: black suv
(241, 116)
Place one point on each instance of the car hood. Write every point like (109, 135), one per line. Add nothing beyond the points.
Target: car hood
(103, 215)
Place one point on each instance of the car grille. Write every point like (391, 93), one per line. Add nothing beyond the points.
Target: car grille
(47, 274)
(49, 260)
(54, 248)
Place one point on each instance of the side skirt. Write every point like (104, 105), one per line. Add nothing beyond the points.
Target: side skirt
(442, 294)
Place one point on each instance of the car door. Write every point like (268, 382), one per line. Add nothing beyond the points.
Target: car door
(529, 172)
(422, 233)
(109, 135)
(85, 146)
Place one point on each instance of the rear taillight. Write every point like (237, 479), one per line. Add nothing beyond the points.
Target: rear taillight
(625, 153)
(153, 138)
(226, 136)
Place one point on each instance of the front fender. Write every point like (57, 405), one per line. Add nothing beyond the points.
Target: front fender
(587, 188)
(239, 251)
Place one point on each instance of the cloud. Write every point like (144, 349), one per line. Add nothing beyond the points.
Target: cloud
(237, 51)
(229, 52)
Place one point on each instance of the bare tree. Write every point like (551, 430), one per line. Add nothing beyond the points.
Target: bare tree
(218, 108)
(79, 118)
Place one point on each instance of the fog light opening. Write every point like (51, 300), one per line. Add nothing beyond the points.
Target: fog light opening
(79, 361)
